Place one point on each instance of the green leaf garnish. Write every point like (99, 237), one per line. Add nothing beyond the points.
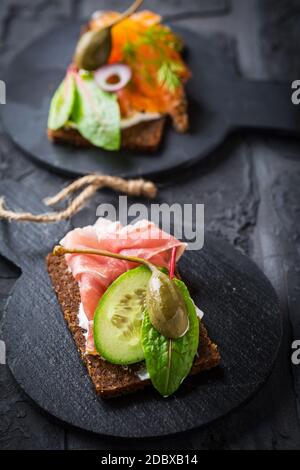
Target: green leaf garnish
(169, 361)
(62, 103)
(97, 114)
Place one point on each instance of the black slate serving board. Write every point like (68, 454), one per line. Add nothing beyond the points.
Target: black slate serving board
(241, 314)
(221, 102)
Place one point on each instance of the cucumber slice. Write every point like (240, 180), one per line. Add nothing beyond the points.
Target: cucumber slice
(118, 318)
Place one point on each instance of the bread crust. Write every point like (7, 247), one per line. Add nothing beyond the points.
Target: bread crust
(145, 136)
(111, 380)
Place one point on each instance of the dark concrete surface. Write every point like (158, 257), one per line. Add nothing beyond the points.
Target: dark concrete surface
(250, 189)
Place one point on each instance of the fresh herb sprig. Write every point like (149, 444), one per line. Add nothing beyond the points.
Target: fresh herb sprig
(160, 40)
(168, 75)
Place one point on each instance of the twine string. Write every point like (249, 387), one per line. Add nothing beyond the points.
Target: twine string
(88, 186)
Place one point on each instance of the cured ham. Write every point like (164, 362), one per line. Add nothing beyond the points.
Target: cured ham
(94, 274)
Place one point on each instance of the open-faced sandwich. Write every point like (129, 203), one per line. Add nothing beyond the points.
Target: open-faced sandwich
(131, 316)
(126, 77)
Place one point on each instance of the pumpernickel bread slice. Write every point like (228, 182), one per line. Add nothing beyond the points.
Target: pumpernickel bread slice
(111, 380)
(145, 136)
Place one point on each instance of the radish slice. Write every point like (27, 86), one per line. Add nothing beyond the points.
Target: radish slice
(120, 73)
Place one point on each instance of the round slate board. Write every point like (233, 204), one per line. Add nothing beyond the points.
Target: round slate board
(241, 313)
(220, 102)
(35, 74)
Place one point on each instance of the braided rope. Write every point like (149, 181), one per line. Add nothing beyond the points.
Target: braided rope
(91, 184)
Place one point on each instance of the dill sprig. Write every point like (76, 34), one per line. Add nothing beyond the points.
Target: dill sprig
(129, 51)
(161, 39)
(168, 75)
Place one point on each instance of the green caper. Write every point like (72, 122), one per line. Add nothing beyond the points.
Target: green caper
(166, 306)
(93, 49)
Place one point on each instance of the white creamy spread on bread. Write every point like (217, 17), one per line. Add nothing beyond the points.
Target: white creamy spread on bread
(137, 118)
(83, 320)
(143, 374)
(126, 123)
(199, 313)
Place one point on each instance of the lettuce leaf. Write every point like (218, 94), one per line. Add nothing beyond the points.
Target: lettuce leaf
(169, 361)
(96, 114)
(62, 103)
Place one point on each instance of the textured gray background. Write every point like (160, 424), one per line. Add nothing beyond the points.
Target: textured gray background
(252, 195)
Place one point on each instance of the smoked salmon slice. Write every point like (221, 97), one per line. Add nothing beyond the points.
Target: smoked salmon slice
(153, 52)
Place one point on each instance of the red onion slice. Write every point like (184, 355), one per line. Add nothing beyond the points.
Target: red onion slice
(121, 71)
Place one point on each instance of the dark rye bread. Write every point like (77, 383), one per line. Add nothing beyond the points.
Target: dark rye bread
(111, 380)
(145, 136)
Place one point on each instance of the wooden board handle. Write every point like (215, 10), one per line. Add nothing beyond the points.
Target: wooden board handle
(266, 106)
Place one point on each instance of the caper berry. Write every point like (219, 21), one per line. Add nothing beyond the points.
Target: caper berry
(166, 306)
(93, 49)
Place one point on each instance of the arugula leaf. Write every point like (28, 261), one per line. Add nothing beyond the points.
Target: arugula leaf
(97, 114)
(169, 361)
(62, 103)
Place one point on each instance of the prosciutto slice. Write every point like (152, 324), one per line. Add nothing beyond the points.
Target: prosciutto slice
(95, 273)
